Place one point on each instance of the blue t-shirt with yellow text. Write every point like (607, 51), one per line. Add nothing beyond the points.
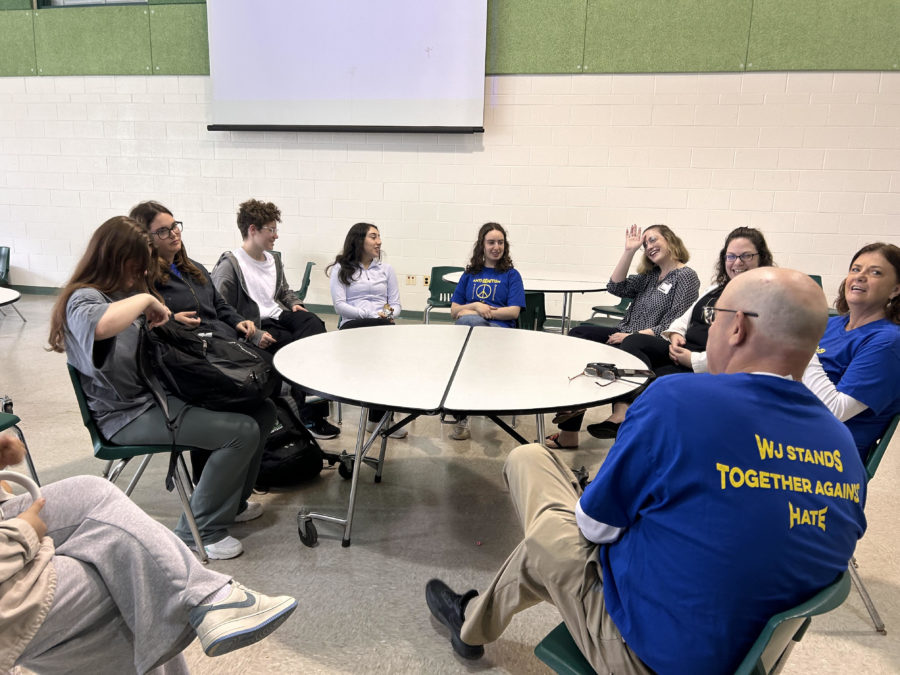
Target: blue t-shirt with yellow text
(739, 497)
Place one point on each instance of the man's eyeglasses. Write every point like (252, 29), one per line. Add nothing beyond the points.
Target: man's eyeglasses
(166, 232)
(273, 230)
(709, 313)
(745, 257)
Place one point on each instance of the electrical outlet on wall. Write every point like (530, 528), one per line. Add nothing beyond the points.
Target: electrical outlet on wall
(410, 279)
(426, 280)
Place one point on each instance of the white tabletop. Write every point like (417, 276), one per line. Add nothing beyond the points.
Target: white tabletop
(507, 371)
(8, 295)
(546, 285)
(404, 368)
(411, 368)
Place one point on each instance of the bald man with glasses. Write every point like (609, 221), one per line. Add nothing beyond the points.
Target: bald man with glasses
(727, 497)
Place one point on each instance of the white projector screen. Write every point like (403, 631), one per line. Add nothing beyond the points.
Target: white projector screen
(347, 64)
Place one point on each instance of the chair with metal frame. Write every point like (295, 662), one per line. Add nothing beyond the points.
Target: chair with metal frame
(873, 459)
(441, 291)
(10, 421)
(118, 456)
(613, 314)
(768, 654)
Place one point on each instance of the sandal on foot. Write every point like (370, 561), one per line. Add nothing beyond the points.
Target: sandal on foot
(604, 429)
(553, 443)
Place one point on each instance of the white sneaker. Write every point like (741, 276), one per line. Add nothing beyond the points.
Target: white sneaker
(242, 618)
(224, 549)
(400, 433)
(461, 430)
(254, 510)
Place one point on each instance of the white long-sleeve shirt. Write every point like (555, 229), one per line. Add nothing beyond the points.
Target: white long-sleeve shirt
(368, 292)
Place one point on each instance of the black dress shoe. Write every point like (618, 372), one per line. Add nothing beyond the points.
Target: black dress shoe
(449, 608)
(605, 429)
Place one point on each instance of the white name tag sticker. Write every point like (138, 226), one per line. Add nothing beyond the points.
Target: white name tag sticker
(665, 287)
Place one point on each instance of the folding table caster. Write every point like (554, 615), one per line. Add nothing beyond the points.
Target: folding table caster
(306, 528)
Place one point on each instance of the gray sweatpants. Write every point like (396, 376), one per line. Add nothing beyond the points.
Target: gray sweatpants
(237, 442)
(125, 584)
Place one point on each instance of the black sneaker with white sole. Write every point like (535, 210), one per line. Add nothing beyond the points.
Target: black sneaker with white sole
(322, 428)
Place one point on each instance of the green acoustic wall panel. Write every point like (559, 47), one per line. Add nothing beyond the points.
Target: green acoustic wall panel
(825, 35)
(653, 36)
(535, 36)
(16, 44)
(179, 40)
(15, 4)
(105, 40)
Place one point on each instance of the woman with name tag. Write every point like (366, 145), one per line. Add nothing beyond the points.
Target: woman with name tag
(662, 290)
(364, 290)
(97, 323)
(856, 368)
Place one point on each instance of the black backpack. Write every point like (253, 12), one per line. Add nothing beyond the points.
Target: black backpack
(208, 370)
(291, 455)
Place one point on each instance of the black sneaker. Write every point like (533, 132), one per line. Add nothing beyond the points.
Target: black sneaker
(449, 608)
(322, 428)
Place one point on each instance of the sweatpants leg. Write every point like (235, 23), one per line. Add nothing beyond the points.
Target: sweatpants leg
(553, 563)
(228, 477)
(125, 584)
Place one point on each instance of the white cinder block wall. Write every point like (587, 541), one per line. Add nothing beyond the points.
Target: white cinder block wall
(566, 162)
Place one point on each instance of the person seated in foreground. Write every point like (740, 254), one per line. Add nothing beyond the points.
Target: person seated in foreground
(90, 583)
(251, 279)
(727, 497)
(856, 368)
(489, 293)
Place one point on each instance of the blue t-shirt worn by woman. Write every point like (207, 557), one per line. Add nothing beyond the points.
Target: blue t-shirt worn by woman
(497, 289)
(864, 363)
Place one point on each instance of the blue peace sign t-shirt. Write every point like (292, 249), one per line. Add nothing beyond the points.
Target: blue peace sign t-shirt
(497, 289)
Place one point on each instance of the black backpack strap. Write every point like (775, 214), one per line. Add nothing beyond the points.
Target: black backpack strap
(148, 375)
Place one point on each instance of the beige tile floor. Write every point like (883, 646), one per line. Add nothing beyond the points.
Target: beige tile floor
(441, 510)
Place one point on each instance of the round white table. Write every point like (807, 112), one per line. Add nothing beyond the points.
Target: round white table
(567, 287)
(428, 369)
(9, 296)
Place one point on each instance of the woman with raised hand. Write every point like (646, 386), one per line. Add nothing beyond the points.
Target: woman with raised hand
(662, 290)
(856, 369)
(97, 321)
(364, 289)
(489, 293)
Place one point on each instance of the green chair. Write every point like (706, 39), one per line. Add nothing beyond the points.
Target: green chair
(10, 421)
(304, 284)
(441, 291)
(534, 315)
(4, 265)
(873, 459)
(767, 655)
(612, 314)
(118, 456)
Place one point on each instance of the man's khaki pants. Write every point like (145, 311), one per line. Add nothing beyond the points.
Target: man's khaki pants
(553, 563)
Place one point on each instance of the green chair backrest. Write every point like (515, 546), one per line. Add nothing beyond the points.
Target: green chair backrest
(103, 449)
(4, 265)
(534, 315)
(559, 651)
(873, 459)
(817, 278)
(304, 284)
(781, 632)
(441, 291)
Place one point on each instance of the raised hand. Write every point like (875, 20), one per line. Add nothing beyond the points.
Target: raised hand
(633, 238)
